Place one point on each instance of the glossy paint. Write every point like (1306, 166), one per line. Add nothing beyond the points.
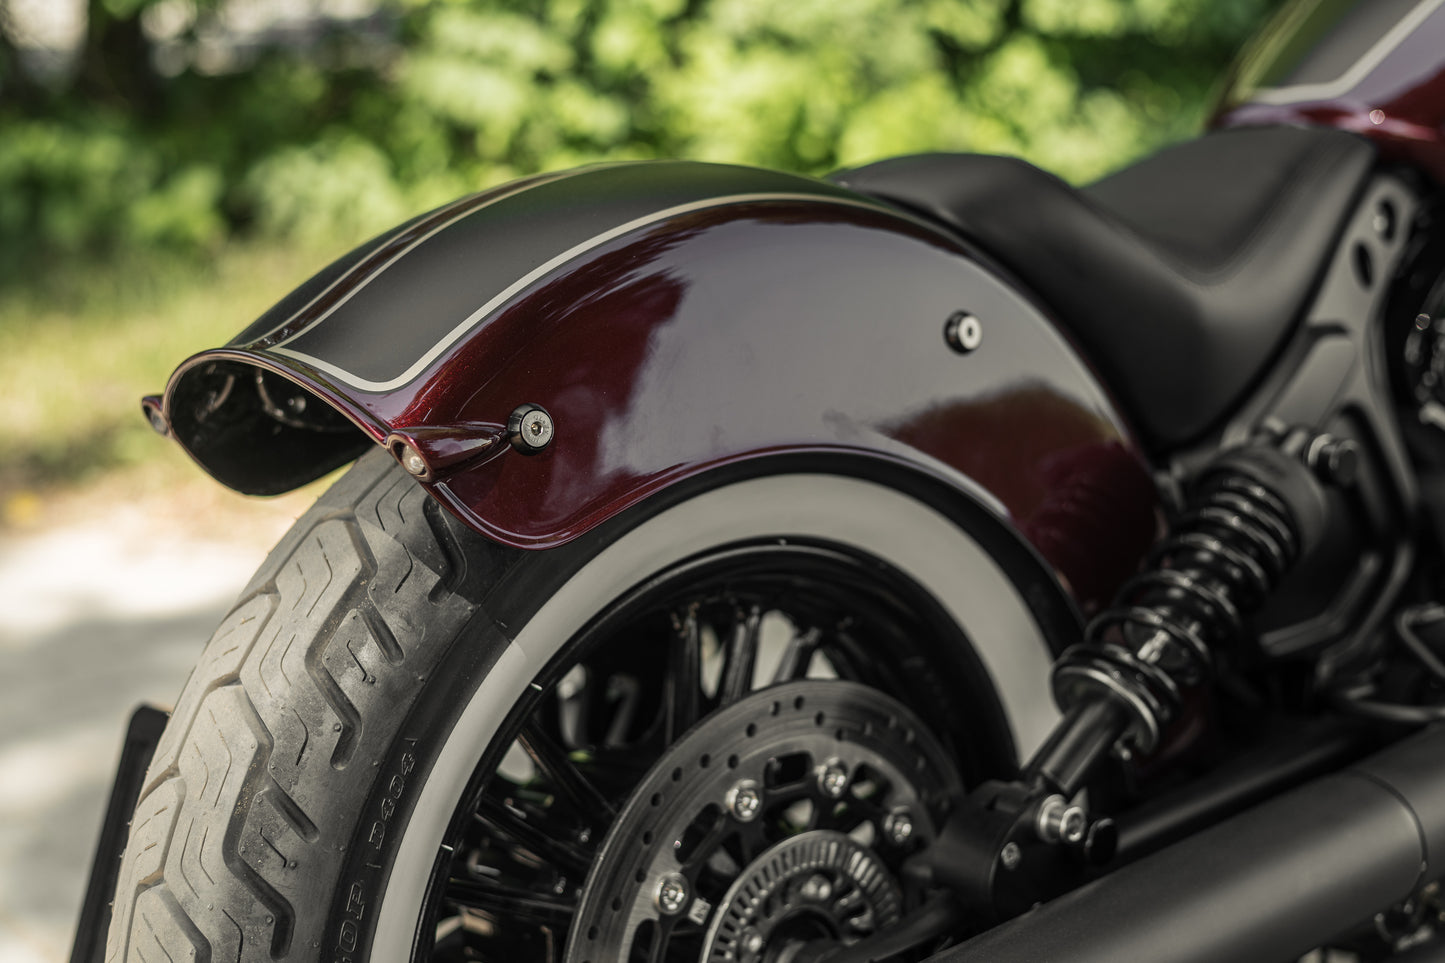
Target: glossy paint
(680, 319)
(1374, 67)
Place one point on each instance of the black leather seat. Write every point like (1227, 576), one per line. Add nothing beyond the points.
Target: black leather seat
(1180, 276)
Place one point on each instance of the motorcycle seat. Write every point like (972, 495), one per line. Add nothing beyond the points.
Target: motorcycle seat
(1180, 276)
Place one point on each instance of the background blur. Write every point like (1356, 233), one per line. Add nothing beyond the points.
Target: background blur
(168, 168)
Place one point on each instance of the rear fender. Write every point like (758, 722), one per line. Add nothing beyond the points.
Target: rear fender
(673, 319)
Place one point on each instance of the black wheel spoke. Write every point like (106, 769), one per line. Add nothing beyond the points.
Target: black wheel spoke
(574, 696)
(797, 655)
(512, 903)
(563, 772)
(684, 677)
(501, 820)
(659, 941)
(640, 738)
(742, 656)
(623, 697)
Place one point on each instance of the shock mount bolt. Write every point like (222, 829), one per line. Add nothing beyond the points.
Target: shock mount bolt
(1059, 822)
(672, 894)
(833, 779)
(1335, 460)
(744, 801)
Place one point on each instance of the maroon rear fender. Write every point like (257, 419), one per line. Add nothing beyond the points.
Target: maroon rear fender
(673, 319)
(1375, 69)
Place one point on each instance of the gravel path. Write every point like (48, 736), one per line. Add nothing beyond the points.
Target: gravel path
(97, 614)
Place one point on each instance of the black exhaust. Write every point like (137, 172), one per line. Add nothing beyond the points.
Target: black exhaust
(1265, 886)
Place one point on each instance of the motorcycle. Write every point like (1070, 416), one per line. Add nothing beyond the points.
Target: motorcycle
(935, 561)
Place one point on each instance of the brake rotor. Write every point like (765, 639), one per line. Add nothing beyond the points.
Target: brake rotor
(779, 820)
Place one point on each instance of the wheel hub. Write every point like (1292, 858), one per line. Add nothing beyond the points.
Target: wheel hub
(777, 821)
(816, 885)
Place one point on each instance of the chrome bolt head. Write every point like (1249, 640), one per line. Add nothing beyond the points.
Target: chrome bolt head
(530, 428)
(1060, 822)
(816, 888)
(898, 825)
(412, 460)
(672, 894)
(752, 942)
(833, 779)
(745, 801)
(1011, 856)
(1073, 826)
(963, 332)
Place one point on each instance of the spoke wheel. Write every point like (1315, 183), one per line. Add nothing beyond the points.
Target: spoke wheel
(730, 764)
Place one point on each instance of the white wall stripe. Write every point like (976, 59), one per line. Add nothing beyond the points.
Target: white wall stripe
(476, 317)
(1362, 68)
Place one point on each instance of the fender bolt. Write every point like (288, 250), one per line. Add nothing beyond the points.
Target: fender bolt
(963, 332)
(412, 460)
(530, 428)
(1011, 856)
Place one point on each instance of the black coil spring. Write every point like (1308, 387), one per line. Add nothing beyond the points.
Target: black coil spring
(1225, 555)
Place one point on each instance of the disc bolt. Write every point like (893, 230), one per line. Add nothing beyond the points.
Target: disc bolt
(899, 826)
(672, 894)
(744, 801)
(833, 779)
(530, 428)
(1011, 856)
(752, 942)
(816, 888)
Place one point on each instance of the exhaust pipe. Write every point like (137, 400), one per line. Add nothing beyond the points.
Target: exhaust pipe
(1266, 886)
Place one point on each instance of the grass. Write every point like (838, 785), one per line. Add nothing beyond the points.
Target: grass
(78, 349)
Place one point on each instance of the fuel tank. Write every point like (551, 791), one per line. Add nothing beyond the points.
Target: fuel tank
(672, 320)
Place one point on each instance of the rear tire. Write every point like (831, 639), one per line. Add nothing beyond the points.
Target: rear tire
(358, 700)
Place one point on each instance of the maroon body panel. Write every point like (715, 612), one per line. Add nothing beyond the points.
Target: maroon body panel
(802, 322)
(1374, 67)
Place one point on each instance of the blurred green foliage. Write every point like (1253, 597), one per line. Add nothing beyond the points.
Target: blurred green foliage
(182, 175)
(375, 118)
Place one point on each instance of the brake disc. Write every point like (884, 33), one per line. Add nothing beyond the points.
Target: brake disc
(778, 821)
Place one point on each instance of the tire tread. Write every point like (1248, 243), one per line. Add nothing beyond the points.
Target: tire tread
(252, 796)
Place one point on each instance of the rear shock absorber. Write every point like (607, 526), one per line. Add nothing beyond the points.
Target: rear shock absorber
(1251, 514)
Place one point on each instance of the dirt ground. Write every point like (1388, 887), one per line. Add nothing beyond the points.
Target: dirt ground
(107, 594)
